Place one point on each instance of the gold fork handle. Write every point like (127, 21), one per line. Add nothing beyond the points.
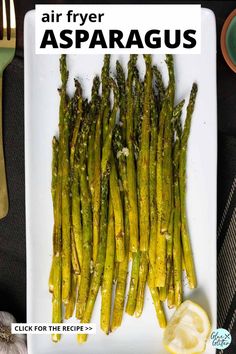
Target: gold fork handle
(4, 204)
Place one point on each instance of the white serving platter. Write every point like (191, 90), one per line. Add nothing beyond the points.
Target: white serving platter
(42, 80)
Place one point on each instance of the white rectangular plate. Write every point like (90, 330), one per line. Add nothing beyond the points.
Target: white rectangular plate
(41, 123)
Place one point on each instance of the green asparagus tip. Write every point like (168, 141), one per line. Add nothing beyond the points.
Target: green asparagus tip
(106, 64)
(148, 59)
(169, 59)
(132, 60)
(118, 66)
(194, 90)
(96, 84)
(120, 75)
(78, 87)
(63, 70)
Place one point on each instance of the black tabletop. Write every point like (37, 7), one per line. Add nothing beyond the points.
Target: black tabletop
(12, 228)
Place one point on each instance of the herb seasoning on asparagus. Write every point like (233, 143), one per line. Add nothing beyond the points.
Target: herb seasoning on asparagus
(119, 193)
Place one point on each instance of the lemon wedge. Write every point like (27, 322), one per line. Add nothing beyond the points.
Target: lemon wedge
(188, 330)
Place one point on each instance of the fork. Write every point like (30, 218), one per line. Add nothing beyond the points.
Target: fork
(7, 53)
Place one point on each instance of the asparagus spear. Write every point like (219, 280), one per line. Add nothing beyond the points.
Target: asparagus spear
(174, 296)
(94, 112)
(99, 266)
(138, 111)
(77, 231)
(87, 223)
(120, 153)
(133, 287)
(143, 272)
(164, 119)
(189, 264)
(115, 192)
(122, 268)
(143, 162)
(167, 150)
(152, 183)
(114, 184)
(102, 117)
(160, 86)
(176, 120)
(108, 273)
(105, 94)
(78, 121)
(97, 186)
(120, 77)
(177, 248)
(55, 152)
(118, 212)
(119, 139)
(135, 256)
(64, 147)
(131, 175)
(106, 150)
(56, 271)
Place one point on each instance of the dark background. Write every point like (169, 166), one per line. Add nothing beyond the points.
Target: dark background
(12, 228)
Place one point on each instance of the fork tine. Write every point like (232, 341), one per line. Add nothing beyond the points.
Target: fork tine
(12, 15)
(4, 18)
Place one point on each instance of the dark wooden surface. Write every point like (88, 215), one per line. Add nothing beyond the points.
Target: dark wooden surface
(12, 229)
